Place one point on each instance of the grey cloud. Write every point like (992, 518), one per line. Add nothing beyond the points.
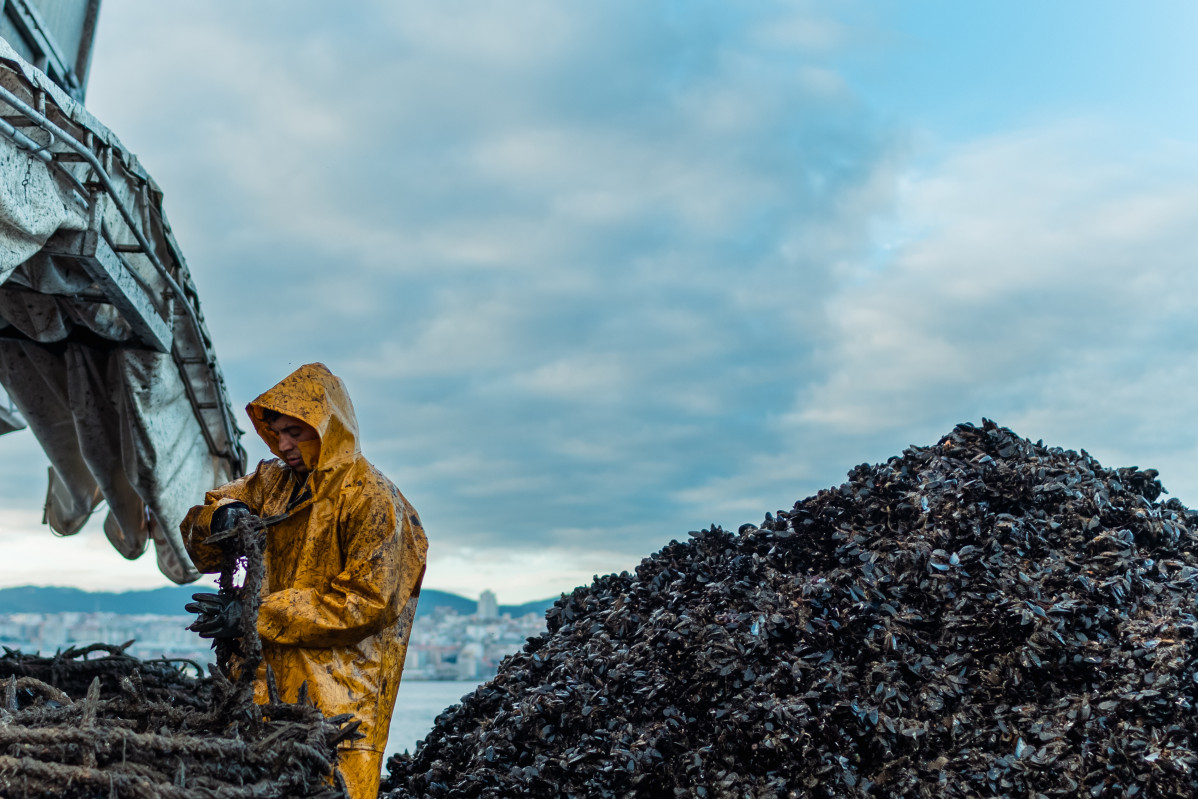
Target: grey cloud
(571, 259)
(599, 274)
(1046, 285)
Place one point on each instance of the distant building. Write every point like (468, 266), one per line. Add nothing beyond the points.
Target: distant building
(488, 606)
(468, 661)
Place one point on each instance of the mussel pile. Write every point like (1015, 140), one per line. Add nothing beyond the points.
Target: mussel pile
(95, 722)
(984, 617)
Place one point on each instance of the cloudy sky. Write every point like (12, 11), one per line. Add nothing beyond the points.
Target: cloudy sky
(600, 274)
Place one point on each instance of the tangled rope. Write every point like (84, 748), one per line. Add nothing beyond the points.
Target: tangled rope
(97, 722)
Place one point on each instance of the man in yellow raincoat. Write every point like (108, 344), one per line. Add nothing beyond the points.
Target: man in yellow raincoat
(343, 569)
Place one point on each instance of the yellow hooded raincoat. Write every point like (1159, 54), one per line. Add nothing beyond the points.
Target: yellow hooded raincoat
(343, 570)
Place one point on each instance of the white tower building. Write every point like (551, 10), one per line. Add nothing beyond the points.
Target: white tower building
(488, 606)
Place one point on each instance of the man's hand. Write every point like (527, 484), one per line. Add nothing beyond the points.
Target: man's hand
(223, 528)
(219, 616)
(226, 517)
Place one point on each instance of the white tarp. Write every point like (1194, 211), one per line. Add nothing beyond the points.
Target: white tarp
(116, 426)
(34, 208)
(115, 418)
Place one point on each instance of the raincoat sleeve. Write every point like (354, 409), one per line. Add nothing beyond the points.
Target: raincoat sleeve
(197, 525)
(384, 550)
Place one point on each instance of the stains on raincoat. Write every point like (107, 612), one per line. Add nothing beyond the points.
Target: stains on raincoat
(343, 570)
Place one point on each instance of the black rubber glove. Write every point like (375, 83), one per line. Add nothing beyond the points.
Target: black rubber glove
(226, 517)
(219, 616)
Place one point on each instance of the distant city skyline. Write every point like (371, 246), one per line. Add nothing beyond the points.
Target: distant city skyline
(444, 644)
(170, 600)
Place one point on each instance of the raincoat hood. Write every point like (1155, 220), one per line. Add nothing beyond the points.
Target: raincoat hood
(314, 395)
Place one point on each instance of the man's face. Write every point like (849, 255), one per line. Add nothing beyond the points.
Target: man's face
(291, 432)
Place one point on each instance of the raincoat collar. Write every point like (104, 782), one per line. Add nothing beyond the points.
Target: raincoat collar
(315, 395)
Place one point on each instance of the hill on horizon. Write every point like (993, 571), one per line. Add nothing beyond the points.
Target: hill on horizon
(169, 601)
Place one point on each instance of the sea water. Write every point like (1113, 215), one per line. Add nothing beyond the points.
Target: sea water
(417, 706)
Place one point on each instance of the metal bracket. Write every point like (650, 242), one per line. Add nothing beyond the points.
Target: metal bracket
(115, 278)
